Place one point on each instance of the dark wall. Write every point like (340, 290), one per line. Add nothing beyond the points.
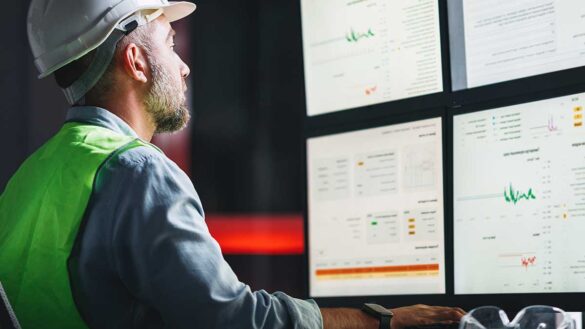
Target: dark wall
(13, 86)
(32, 110)
(248, 105)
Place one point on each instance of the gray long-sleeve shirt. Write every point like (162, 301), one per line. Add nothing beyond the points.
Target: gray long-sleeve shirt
(144, 257)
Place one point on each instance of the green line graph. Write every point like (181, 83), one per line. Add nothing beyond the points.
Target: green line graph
(514, 196)
(353, 36)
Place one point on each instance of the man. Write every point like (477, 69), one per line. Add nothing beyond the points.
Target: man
(98, 228)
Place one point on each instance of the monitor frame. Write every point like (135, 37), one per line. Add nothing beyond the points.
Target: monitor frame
(510, 88)
(570, 302)
(398, 106)
(395, 300)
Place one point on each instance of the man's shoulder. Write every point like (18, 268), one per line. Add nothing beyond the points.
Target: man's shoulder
(144, 171)
(140, 156)
(142, 160)
(143, 165)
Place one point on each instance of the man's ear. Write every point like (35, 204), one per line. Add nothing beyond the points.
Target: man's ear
(134, 62)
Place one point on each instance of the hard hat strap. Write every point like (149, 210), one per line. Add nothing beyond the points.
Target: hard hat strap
(101, 61)
(104, 54)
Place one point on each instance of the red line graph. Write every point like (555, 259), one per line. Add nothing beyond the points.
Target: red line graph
(371, 90)
(551, 124)
(528, 261)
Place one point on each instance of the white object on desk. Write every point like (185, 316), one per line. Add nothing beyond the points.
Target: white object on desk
(578, 317)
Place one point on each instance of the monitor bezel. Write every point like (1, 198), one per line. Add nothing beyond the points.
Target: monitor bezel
(518, 87)
(398, 106)
(356, 301)
(513, 301)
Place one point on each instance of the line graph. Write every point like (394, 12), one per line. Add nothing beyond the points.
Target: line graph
(528, 261)
(353, 36)
(551, 126)
(514, 196)
(370, 90)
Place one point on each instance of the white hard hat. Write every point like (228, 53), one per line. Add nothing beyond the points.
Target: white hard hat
(62, 31)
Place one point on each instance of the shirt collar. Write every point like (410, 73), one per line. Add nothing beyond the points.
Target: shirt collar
(99, 117)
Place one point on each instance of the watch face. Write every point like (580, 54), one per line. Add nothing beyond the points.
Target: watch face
(378, 309)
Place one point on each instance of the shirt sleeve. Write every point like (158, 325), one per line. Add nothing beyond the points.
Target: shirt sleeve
(165, 256)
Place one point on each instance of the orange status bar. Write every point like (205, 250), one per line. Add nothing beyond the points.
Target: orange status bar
(379, 269)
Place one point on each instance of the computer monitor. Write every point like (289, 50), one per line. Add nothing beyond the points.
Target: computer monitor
(375, 211)
(519, 198)
(502, 40)
(364, 52)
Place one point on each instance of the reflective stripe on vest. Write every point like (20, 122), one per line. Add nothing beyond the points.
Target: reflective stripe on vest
(41, 211)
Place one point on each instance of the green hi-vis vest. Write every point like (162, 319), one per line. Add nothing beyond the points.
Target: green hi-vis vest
(40, 214)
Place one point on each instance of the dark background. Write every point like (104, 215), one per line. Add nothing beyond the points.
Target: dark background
(248, 105)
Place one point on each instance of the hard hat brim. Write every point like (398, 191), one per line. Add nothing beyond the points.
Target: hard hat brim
(176, 10)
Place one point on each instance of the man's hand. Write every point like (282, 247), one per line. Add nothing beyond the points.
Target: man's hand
(423, 314)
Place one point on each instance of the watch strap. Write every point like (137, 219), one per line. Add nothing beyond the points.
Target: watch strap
(385, 322)
(380, 313)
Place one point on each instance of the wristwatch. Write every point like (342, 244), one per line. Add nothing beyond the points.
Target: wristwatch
(379, 312)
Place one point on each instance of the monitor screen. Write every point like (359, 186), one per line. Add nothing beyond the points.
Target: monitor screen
(501, 40)
(519, 198)
(375, 211)
(364, 52)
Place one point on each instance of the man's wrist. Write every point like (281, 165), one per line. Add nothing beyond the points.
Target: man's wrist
(383, 315)
(347, 318)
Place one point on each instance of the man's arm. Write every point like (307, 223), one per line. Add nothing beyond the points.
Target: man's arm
(148, 220)
(348, 318)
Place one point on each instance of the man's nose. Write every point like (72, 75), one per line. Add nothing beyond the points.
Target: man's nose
(185, 71)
